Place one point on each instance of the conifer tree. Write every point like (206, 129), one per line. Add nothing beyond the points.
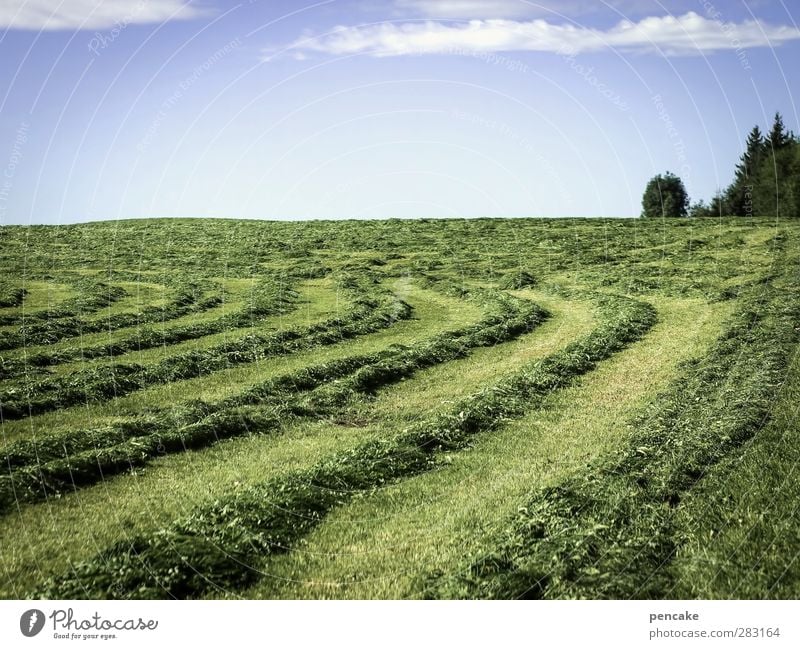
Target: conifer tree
(751, 158)
(739, 196)
(778, 137)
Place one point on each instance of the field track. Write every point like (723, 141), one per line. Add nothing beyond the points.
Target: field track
(493, 409)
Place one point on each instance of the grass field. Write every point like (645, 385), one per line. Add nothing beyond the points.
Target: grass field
(484, 408)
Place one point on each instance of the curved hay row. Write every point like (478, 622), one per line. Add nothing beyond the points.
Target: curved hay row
(267, 300)
(11, 296)
(59, 463)
(372, 548)
(211, 546)
(92, 296)
(108, 382)
(610, 532)
(187, 299)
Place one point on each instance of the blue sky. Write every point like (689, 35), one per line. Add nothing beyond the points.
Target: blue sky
(380, 108)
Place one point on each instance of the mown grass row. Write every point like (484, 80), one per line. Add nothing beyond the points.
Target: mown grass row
(374, 548)
(268, 298)
(58, 463)
(610, 531)
(366, 315)
(11, 296)
(506, 318)
(213, 546)
(748, 507)
(172, 485)
(189, 298)
(92, 296)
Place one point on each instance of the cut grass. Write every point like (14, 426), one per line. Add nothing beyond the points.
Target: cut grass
(10, 297)
(137, 296)
(57, 463)
(45, 539)
(374, 547)
(443, 385)
(610, 531)
(741, 523)
(39, 297)
(237, 320)
(380, 518)
(23, 365)
(44, 330)
(91, 297)
(234, 293)
(50, 535)
(433, 313)
(208, 548)
(104, 382)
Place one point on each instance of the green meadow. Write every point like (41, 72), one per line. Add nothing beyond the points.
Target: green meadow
(491, 408)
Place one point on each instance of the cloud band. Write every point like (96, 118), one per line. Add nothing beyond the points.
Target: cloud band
(689, 34)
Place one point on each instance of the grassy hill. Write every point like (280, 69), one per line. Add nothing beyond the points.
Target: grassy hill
(400, 409)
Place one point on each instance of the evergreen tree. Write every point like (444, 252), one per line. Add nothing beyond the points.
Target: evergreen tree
(766, 182)
(751, 158)
(778, 137)
(793, 183)
(739, 196)
(775, 191)
(776, 187)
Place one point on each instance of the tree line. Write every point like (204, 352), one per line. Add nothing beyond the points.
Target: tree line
(766, 182)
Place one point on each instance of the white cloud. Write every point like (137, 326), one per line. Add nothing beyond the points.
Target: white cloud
(470, 9)
(681, 35)
(90, 14)
(467, 8)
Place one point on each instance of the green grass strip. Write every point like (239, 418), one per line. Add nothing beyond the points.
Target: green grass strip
(609, 531)
(738, 528)
(213, 546)
(60, 463)
(11, 296)
(92, 296)
(267, 299)
(110, 381)
(188, 299)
